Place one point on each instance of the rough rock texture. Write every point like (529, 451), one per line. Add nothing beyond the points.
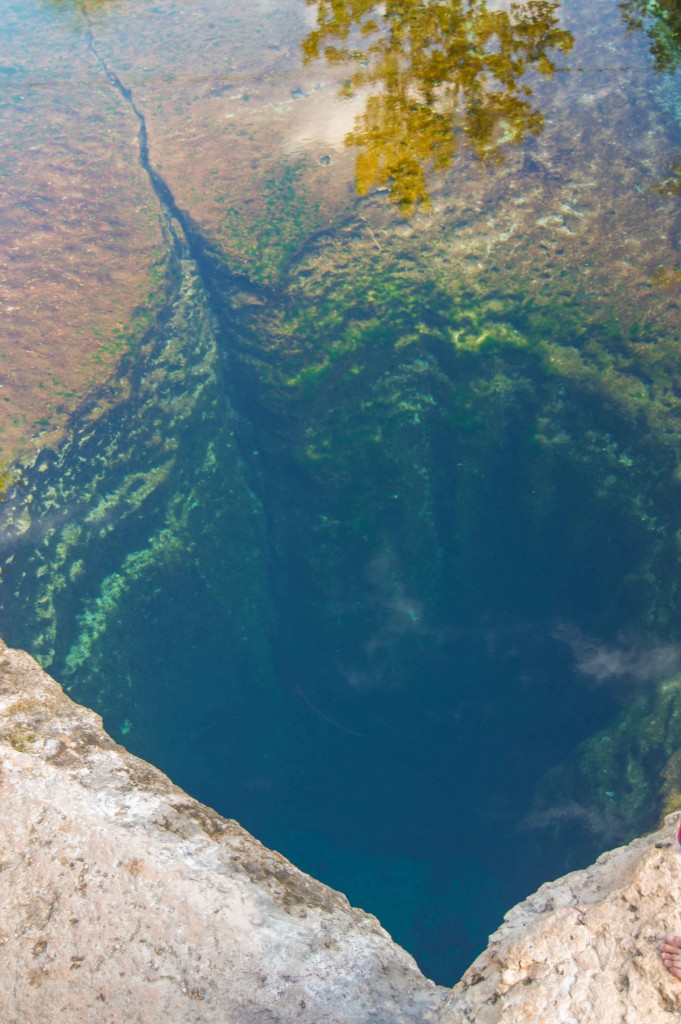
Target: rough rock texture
(123, 900)
(585, 948)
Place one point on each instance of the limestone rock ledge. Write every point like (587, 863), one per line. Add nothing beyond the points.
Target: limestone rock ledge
(585, 948)
(122, 900)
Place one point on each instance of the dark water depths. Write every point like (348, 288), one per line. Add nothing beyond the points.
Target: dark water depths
(362, 592)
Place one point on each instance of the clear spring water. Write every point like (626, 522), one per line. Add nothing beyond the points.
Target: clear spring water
(379, 523)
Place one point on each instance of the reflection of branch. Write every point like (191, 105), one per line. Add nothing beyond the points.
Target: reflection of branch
(437, 71)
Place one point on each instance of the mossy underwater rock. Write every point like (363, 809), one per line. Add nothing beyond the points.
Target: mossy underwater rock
(622, 779)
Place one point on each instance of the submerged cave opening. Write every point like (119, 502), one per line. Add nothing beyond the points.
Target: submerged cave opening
(430, 705)
(395, 749)
(411, 701)
(357, 624)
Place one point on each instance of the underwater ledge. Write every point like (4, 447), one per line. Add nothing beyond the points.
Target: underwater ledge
(124, 899)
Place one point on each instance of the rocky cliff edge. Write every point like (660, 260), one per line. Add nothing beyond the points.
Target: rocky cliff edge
(585, 948)
(124, 900)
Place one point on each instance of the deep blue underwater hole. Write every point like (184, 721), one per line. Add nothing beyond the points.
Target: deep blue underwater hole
(394, 752)
(370, 667)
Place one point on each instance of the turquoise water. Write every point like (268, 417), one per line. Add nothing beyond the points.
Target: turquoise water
(377, 528)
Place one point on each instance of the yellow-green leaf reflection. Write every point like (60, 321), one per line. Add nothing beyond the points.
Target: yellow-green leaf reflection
(437, 72)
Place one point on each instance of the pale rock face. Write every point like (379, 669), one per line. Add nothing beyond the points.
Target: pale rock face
(585, 949)
(124, 901)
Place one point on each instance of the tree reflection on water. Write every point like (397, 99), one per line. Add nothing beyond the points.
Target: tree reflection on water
(437, 72)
